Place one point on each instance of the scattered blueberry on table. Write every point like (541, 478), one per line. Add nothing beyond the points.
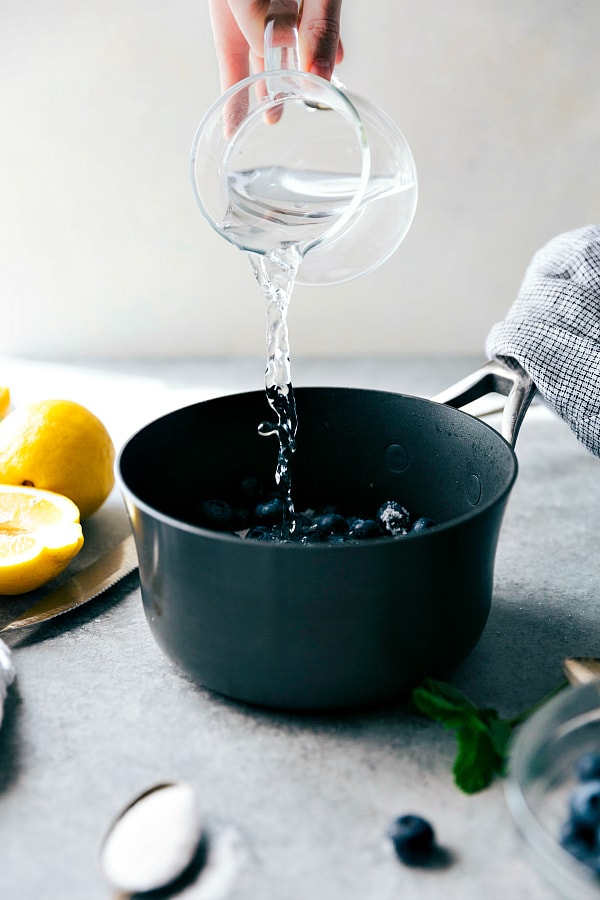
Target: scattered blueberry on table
(413, 838)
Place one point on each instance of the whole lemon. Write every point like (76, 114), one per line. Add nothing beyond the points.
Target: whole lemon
(4, 400)
(60, 446)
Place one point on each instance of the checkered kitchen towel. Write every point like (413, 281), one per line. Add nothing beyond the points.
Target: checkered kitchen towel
(553, 329)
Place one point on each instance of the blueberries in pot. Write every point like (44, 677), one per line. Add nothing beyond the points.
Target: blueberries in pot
(314, 536)
(336, 539)
(270, 512)
(302, 525)
(217, 514)
(328, 509)
(330, 523)
(393, 518)
(251, 489)
(262, 533)
(364, 528)
(423, 523)
(252, 512)
(241, 518)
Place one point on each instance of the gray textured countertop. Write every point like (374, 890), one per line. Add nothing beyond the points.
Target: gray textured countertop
(97, 713)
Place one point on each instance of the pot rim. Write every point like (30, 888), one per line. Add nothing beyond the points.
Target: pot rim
(289, 546)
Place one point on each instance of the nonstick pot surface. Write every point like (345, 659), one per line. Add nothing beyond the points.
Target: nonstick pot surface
(356, 448)
(318, 626)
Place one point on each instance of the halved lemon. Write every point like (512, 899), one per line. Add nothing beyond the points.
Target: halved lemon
(40, 533)
(4, 400)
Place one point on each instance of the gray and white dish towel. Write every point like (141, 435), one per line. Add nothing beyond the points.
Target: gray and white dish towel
(553, 329)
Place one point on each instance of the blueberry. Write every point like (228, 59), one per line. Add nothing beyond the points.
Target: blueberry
(328, 509)
(587, 767)
(352, 520)
(251, 489)
(579, 841)
(240, 517)
(313, 537)
(302, 525)
(217, 514)
(262, 533)
(270, 512)
(422, 524)
(393, 518)
(330, 523)
(336, 539)
(585, 804)
(413, 839)
(364, 528)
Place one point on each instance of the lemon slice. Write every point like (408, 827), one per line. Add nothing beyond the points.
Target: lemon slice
(40, 534)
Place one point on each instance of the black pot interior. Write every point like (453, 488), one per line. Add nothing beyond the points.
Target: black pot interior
(355, 448)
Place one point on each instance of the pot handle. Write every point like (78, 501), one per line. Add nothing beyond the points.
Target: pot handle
(501, 376)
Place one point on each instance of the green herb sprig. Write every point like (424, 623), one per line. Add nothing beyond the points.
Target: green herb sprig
(483, 737)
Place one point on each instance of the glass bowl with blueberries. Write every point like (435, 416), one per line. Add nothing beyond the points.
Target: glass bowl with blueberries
(553, 790)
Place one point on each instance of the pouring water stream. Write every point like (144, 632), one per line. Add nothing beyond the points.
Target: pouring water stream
(275, 273)
(312, 183)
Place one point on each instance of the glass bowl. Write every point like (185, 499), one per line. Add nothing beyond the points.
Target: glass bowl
(541, 778)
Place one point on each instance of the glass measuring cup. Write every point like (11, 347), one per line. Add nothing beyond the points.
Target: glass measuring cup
(285, 158)
(385, 213)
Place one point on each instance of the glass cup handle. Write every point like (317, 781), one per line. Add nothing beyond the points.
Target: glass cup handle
(281, 36)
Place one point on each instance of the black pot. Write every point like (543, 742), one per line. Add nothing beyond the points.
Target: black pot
(320, 626)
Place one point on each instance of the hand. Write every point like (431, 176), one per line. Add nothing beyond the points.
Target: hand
(238, 28)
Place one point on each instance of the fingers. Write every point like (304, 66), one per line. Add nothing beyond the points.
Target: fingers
(249, 16)
(319, 36)
(238, 28)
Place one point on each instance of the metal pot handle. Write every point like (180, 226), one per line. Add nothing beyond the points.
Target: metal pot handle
(501, 376)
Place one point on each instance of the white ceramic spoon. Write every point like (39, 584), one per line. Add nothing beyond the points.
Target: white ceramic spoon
(152, 841)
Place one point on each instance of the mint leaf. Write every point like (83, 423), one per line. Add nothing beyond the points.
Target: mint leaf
(477, 760)
(482, 736)
(445, 704)
(500, 732)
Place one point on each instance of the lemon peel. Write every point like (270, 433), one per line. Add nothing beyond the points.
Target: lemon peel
(4, 400)
(60, 446)
(40, 533)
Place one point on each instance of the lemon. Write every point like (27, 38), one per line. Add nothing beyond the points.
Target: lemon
(60, 446)
(4, 400)
(39, 536)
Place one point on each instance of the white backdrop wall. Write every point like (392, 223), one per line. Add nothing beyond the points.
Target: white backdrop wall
(103, 253)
